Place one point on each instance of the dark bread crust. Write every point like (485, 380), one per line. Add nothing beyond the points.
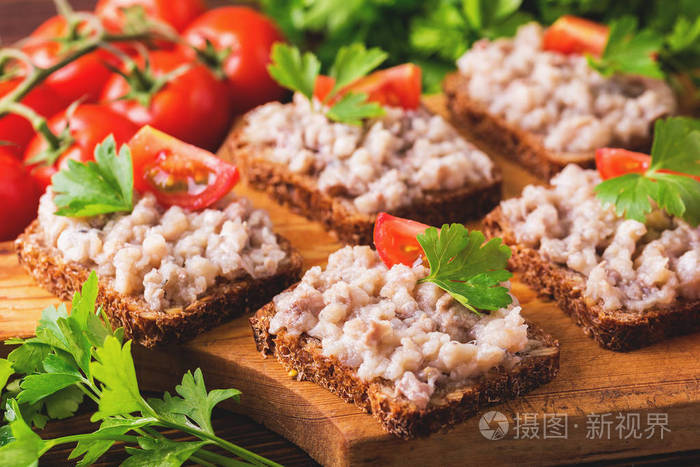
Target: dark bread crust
(223, 301)
(399, 416)
(301, 193)
(619, 330)
(504, 138)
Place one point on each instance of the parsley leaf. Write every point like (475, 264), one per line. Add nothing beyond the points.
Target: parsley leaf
(100, 187)
(6, 370)
(25, 446)
(298, 73)
(352, 108)
(161, 452)
(676, 148)
(196, 403)
(293, 70)
(354, 62)
(469, 270)
(114, 368)
(628, 51)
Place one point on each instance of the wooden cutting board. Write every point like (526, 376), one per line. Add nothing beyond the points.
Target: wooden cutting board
(598, 396)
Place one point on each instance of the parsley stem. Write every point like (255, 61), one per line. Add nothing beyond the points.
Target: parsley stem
(218, 459)
(230, 447)
(88, 392)
(200, 461)
(50, 443)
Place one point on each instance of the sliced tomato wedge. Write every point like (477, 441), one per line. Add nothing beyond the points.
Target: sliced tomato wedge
(613, 162)
(395, 239)
(573, 35)
(178, 173)
(399, 86)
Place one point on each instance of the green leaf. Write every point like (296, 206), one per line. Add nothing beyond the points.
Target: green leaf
(25, 447)
(93, 448)
(676, 145)
(169, 408)
(196, 403)
(353, 62)
(114, 368)
(48, 330)
(161, 453)
(628, 51)
(630, 193)
(352, 108)
(39, 386)
(466, 267)
(293, 70)
(63, 403)
(679, 196)
(676, 148)
(100, 187)
(6, 371)
(28, 357)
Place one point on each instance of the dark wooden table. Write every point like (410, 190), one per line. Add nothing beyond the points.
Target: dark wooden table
(17, 19)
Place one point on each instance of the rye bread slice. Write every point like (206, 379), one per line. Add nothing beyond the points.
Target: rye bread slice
(399, 416)
(499, 136)
(222, 301)
(301, 193)
(620, 330)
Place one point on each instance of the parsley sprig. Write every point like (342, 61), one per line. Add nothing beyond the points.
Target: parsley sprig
(676, 148)
(299, 72)
(467, 268)
(100, 187)
(628, 51)
(78, 355)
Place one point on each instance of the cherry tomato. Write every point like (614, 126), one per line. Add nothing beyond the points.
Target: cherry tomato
(82, 78)
(249, 35)
(613, 162)
(574, 35)
(89, 125)
(16, 129)
(179, 173)
(178, 13)
(19, 196)
(398, 86)
(194, 106)
(395, 239)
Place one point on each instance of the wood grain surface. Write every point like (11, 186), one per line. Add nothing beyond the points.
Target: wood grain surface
(664, 379)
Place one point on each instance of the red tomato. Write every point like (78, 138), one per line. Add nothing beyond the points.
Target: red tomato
(249, 35)
(395, 239)
(89, 125)
(178, 13)
(19, 196)
(82, 78)
(179, 173)
(574, 35)
(398, 86)
(194, 106)
(613, 162)
(17, 130)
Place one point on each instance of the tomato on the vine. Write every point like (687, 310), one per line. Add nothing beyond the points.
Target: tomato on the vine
(248, 36)
(613, 162)
(178, 173)
(573, 35)
(177, 14)
(82, 78)
(395, 239)
(19, 196)
(17, 130)
(398, 86)
(193, 105)
(89, 124)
